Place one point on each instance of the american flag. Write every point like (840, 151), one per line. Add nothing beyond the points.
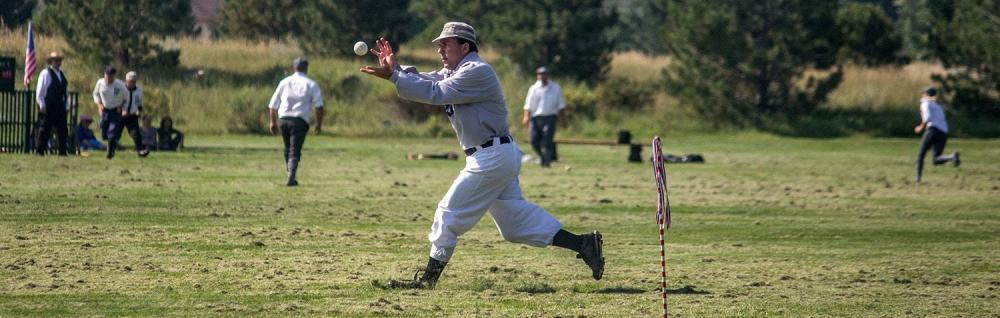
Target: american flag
(29, 57)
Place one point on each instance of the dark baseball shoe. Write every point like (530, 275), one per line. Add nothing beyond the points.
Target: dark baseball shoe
(958, 161)
(292, 183)
(592, 253)
(426, 281)
(143, 153)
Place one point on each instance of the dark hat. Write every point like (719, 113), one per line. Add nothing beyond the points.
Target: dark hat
(457, 30)
(930, 91)
(110, 70)
(86, 118)
(300, 63)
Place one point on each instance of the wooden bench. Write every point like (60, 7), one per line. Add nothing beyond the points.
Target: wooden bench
(624, 139)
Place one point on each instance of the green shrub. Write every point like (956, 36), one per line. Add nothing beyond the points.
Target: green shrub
(624, 94)
(249, 114)
(581, 105)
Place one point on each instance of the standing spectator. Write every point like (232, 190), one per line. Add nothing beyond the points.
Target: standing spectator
(148, 133)
(111, 95)
(52, 106)
(130, 115)
(294, 98)
(935, 129)
(168, 138)
(85, 136)
(541, 106)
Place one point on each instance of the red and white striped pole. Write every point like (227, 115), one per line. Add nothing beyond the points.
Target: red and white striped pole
(662, 214)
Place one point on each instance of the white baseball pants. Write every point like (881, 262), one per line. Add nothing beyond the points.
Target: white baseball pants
(489, 182)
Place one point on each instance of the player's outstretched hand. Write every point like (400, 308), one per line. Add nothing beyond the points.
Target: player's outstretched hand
(386, 60)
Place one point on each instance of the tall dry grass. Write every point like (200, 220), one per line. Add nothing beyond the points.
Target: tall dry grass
(883, 87)
(638, 66)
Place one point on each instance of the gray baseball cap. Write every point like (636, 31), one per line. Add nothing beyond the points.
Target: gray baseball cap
(542, 70)
(457, 30)
(131, 76)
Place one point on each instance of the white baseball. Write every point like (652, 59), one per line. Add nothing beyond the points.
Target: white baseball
(360, 48)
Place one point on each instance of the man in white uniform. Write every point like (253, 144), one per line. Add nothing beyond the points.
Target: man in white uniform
(469, 90)
(296, 96)
(132, 111)
(111, 97)
(935, 129)
(541, 105)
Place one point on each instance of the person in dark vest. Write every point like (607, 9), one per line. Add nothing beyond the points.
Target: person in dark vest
(52, 105)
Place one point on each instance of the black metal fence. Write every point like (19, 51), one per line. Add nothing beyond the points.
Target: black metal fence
(19, 122)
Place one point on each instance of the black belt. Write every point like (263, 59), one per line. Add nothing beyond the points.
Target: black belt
(487, 144)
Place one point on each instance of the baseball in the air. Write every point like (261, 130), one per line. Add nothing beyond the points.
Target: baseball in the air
(360, 48)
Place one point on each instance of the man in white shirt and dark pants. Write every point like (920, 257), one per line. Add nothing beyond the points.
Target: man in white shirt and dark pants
(111, 97)
(543, 103)
(293, 100)
(52, 106)
(935, 129)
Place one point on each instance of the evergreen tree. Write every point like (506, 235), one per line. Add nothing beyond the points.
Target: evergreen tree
(321, 27)
(638, 19)
(331, 27)
(14, 13)
(733, 59)
(744, 61)
(570, 36)
(102, 31)
(964, 37)
(914, 25)
(259, 20)
(869, 36)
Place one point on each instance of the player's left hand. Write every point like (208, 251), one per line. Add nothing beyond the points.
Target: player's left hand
(386, 60)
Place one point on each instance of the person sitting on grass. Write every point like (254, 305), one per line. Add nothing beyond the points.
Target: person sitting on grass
(148, 133)
(85, 136)
(168, 138)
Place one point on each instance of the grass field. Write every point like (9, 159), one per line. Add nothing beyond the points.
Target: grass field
(769, 226)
